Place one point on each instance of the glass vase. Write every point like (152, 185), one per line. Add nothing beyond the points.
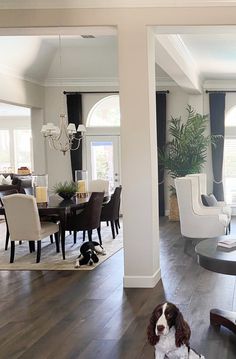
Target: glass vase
(40, 188)
(81, 179)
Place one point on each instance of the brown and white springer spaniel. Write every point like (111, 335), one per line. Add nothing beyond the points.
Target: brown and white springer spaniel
(170, 333)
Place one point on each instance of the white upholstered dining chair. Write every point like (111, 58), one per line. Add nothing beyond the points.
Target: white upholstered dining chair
(98, 185)
(197, 221)
(24, 222)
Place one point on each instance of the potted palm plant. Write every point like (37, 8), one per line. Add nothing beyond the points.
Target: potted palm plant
(186, 152)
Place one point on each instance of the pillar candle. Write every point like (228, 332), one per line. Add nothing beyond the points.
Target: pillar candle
(81, 186)
(41, 194)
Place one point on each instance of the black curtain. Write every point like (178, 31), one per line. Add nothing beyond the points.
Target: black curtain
(217, 118)
(161, 141)
(74, 110)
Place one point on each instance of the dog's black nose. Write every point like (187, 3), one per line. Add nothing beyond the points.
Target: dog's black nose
(160, 328)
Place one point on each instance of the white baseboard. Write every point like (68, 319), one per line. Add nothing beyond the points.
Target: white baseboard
(142, 281)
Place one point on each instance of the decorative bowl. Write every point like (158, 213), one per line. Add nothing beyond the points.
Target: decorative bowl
(66, 195)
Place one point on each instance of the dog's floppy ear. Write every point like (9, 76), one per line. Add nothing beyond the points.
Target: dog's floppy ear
(182, 331)
(151, 334)
(94, 257)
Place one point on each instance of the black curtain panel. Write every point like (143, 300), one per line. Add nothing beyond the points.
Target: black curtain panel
(74, 110)
(161, 141)
(217, 118)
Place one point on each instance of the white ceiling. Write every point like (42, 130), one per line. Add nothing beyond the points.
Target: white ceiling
(12, 111)
(211, 54)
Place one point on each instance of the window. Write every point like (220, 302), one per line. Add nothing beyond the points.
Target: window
(106, 113)
(22, 148)
(230, 157)
(5, 161)
(15, 138)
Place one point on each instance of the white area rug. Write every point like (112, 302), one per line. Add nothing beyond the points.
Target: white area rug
(50, 260)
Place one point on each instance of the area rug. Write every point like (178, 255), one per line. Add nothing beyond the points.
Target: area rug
(50, 260)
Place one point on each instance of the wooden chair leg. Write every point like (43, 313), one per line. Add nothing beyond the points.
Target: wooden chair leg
(57, 240)
(75, 235)
(12, 252)
(7, 239)
(99, 235)
(90, 235)
(20, 242)
(113, 230)
(51, 238)
(117, 228)
(38, 251)
(84, 234)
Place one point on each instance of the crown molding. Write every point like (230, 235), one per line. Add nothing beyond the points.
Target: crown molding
(219, 85)
(62, 4)
(82, 82)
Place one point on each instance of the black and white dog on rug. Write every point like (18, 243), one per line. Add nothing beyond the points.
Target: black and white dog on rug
(88, 253)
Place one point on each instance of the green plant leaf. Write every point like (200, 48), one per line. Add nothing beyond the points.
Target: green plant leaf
(186, 152)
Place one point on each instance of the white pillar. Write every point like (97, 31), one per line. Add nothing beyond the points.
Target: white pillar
(39, 151)
(139, 155)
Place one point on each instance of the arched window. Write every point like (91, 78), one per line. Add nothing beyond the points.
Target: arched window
(105, 113)
(230, 118)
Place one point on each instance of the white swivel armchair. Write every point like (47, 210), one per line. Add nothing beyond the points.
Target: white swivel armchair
(24, 223)
(202, 190)
(197, 222)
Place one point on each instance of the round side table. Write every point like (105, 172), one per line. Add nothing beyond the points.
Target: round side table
(219, 260)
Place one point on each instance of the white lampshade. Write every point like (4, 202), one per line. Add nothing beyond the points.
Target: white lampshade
(81, 128)
(50, 126)
(71, 128)
(44, 129)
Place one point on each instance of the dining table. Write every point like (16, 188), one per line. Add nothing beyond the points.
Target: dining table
(60, 209)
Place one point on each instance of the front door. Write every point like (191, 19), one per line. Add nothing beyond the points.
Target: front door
(103, 159)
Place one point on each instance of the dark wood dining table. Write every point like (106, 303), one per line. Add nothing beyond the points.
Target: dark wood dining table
(60, 208)
(220, 260)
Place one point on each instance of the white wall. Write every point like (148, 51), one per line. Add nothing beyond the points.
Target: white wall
(20, 92)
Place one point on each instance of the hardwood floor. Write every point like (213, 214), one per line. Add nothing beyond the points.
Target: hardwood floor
(88, 314)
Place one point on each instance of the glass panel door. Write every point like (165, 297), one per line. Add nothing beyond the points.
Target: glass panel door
(103, 159)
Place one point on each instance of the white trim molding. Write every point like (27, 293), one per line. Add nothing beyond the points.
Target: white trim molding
(142, 281)
(82, 81)
(69, 4)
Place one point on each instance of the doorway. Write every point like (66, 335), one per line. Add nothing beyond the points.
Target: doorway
(103, 159)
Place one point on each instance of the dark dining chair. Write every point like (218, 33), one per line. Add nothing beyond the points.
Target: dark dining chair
(110, 212)
(89, 218)
(2, 194)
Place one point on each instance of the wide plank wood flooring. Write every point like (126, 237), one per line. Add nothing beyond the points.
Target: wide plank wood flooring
(88, 314)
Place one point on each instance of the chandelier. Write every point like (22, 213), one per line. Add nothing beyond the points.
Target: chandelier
(63, 138)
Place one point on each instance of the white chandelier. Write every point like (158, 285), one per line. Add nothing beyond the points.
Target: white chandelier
(63, 138)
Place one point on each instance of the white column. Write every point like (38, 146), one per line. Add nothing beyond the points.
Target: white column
(39, 151)
(139, 155)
